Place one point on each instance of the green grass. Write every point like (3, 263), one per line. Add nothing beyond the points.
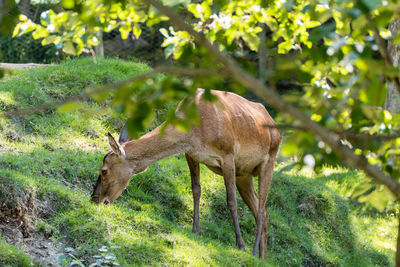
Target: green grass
(56, 157)
(10, 256)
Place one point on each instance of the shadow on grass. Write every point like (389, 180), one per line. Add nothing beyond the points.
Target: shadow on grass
(309, 222)
(312, 223)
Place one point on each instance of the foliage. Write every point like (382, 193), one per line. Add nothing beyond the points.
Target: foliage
(313, 221)
(105, 258)
(25, 49)
(335, 49)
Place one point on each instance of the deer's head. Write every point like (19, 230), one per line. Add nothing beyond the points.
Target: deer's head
(114, 175)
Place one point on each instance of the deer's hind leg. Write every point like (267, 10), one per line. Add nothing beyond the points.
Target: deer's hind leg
(196, 190)
(264, 185)
(229, 174)
(249, 195)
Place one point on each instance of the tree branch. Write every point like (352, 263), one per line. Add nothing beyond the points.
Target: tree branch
(274, 100)
(344, 134)
(89, 93)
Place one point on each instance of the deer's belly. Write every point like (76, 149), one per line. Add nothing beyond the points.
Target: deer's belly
(211, 160)
(249, 158)
(246, 162)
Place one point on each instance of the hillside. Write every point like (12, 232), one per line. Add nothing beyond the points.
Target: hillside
(49, 163)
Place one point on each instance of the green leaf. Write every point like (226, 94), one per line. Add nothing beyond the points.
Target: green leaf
(68, 4)
(70, 106)
(385, 33)
(136, 30)
(185, 3)
(193, 8)
(312, 24)
(62, 259)
(68, 47)
(45, 17)
(252, 41)
(164, 32)
(371, 4)
(40, 32)
(374, 94)
(205, 8)
(168, 51)
(16, 30)
(51, 39)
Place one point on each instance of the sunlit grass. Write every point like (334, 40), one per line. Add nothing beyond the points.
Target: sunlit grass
(313, 220)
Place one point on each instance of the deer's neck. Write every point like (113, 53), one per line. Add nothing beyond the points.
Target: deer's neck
(154, 146)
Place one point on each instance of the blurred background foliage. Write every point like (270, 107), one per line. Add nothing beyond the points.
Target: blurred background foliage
(332, 59)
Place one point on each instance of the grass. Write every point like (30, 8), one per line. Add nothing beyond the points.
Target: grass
(56, 157)
(10, 256)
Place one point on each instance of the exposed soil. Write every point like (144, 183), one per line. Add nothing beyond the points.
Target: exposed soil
(13, 66)
(19, 209)
(40, 248)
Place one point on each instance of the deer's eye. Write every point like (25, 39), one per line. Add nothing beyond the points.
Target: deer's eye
(103, 172)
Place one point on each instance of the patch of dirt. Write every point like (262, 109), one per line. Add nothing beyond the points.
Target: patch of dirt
(40, 248)
(18, 210)
(17, 206)
(14, 66)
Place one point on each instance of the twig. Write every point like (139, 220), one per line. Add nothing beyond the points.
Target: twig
(366, 137)
(274, 99)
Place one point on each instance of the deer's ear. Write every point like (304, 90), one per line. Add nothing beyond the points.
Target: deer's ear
(116, 147)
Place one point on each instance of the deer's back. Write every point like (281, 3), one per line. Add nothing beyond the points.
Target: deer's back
(233, 125)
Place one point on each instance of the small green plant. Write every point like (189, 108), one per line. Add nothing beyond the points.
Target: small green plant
(105, 258)
(69, 259)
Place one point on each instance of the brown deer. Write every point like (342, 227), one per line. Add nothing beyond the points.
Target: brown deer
(232, 140)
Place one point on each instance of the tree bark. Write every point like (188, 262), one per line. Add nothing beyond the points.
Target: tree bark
(99, 49)
(2, 5)
(398, 245)
(392, 102)
(262, 54)
(25, 7)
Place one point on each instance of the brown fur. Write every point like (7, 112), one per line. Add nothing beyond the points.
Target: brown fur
(232, 140)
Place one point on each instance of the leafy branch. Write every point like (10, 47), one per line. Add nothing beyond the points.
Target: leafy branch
(273, 99)
(107, 88)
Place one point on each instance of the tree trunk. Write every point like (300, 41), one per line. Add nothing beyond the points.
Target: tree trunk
(99, 49)
(392, 102)
(262, 55)
(25, 7)
(2, 5)
(398, 245)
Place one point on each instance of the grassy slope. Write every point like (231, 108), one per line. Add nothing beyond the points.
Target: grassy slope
(57, 156)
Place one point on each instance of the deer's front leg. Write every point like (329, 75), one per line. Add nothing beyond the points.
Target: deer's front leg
(228, 171)
(196, 190)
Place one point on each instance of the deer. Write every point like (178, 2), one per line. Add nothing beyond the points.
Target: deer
(234, 139)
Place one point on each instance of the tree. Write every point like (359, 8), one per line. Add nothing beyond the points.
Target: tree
(336, 50)
(392, 103)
